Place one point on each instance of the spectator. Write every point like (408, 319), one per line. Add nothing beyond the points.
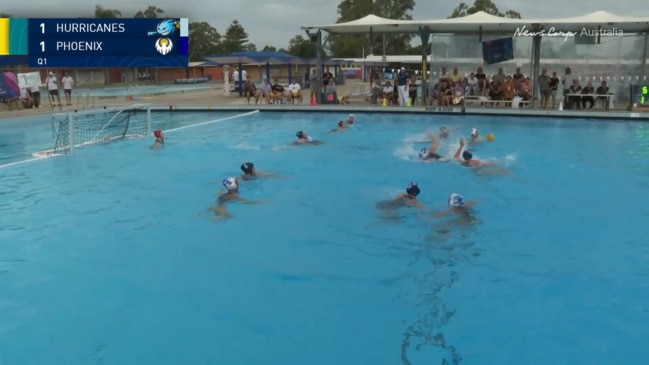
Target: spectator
(554, 87)
(603, 90)
(35, 93)
(572, 99)
(544, 88)
(413, 88)
(587, 97)
(53, 89)
(68, 84)
(472, 84)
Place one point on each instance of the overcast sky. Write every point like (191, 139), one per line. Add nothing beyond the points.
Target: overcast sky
(274, 22)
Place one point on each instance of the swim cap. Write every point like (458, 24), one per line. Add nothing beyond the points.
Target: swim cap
(466, 155)
(340, 123)
(423, 152)
(455, 200)
(230, 183)
(474, 131)
(300, 134)
(351, 116)
(246, 167)
(309, 139)
(413, 189)
(442, 129)
(157, 134)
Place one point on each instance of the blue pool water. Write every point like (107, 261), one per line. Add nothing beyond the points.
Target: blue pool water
(111, 255)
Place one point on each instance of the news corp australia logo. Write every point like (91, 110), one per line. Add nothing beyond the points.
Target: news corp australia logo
(553, 32)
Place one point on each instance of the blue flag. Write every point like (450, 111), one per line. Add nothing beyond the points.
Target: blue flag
(498, 50)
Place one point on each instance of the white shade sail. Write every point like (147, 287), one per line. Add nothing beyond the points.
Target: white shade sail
(472, 24)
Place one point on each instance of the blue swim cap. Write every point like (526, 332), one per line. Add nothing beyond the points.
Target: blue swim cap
(442, 129)
(423, 153)
(455, 200)
(340, 124)
(466, 155)
(299, 134)
(413, 189)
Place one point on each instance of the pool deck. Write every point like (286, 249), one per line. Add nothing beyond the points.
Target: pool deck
(214, 99)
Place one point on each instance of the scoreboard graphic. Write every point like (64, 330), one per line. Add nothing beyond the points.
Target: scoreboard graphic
(94, 42)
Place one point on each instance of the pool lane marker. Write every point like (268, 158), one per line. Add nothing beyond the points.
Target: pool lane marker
(168, 130)
(212, 121)
(27, 161)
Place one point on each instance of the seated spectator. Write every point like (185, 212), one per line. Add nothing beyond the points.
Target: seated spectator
(25, 99)
(459, 93)
(267, 91)
(495, 89)
(435, 94)
(294, 92)
(603, 90)
(587, 97)
(509, 89)
(574, 100)
(277, 93)
(388, 91)
(483, 83)
(455, 76)
(443, 76)
(251, 91)
(472, 85)
(446, 94)
(331, 86)
(525, 91)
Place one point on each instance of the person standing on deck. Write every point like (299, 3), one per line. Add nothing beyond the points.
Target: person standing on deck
(402, 85)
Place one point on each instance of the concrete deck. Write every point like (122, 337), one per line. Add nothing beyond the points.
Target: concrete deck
(214, 99)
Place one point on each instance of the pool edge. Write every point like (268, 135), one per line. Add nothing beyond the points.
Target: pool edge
(611, 115)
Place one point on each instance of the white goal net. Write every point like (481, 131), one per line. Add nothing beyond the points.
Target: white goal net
(94, 127)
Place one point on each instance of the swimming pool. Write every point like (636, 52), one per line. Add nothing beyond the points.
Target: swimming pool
(112, 255)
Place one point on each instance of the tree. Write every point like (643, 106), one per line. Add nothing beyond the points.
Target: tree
(466, 46)
(101, 12)
(5, 15)
(203, 40)
(283, 50)
(299, 46)
(250, 47)
(483, 5)
(268, 48)
(353, 45)
(150, 12)
(235, 38)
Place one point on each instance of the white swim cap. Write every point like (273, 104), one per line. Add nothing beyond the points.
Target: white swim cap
(423, 153)
(351, 115)
(474, 131)
(309, 139)
(455, 200)
(230, 183)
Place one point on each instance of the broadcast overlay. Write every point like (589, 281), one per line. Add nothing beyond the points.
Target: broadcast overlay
(92, 42)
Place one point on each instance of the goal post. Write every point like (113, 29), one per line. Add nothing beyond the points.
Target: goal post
(77, 130)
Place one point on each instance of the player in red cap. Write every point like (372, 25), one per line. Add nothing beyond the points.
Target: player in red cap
(159, 139)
